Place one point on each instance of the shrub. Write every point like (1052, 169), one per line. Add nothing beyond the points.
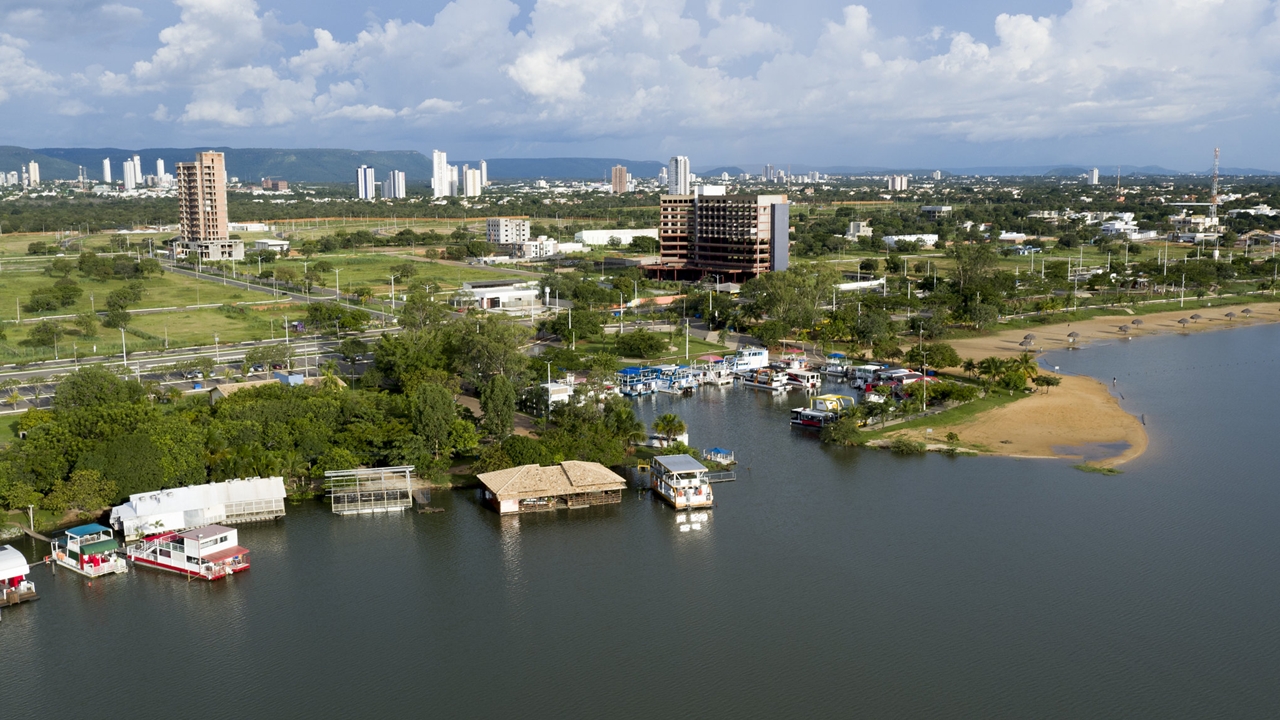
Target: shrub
(907, 446)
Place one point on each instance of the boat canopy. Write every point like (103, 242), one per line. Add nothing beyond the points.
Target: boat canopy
(719, 451)
(633, 370)
(91, 529)
(97, 548)
(12, 563)
(836, 355)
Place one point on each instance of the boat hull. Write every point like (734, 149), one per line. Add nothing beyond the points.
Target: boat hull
(190, 573)
(116, 566)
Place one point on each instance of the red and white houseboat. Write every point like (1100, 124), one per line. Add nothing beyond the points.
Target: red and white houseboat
(14, 585)
(89, 550)
(210, 552)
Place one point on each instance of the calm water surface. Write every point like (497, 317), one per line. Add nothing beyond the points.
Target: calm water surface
(826, 583)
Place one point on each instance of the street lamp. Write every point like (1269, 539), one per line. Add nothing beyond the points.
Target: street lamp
(337, 290)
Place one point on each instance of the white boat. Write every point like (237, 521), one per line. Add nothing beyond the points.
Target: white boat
(91, 550)
(14, 586)
(681, 482)
(208, 552)
(804, 379)
(766, 379)
(811, 418)
(748, 359)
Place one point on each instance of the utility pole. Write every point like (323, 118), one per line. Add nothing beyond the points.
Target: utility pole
(124, 349)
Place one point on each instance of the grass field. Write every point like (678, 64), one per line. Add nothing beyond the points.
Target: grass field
(950, 417)
(696, 348)
(373, 269)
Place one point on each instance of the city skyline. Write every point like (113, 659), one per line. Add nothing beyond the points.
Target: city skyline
(911, 84)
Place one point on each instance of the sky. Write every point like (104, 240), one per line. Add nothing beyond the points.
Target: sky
(894, 83)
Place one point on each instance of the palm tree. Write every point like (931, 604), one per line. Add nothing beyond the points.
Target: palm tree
(669, 425)
(990, 368)
(969, 367)
(173, 394)
(1025, 364)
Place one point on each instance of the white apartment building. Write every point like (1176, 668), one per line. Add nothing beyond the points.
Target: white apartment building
(471, 183)
(923, 241)
(678, 179)
(484, 174)
(33, 174)
(159, 167)
(859, 228)
(605, 237)
(440, 174)
(366, 187)
(898, 183)
(531, 249)
(137, 170)
(1093, 176)
(129, 182)
(453, 180)
(11, 178)
(506, 231)
(393, 187)
(106, 170)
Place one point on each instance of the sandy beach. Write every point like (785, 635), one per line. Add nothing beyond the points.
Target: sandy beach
(1080, 419)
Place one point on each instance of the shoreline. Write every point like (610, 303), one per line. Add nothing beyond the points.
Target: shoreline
(1079, 419)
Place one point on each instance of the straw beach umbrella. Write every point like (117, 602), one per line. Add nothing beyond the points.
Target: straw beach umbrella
(1124, 329)
(1029, 336)
(1246, 312)
(1071, 336)
(1183, 322)
(1231, 316)
(1197, 317)
(1137, 322)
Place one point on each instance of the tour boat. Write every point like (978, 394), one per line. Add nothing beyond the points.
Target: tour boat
(681, 482)
(676, 380)
(765, 379)
(810, 418)
(14, 585)
(748, 359)
(90, 550)
(208, 552)
(804, 379)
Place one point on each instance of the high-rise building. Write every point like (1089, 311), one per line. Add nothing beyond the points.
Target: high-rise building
(11, 178)
(471, 185)
(440, 174)
(202, 209)
(1093, 176)
(393, 186)
(937, 174)
(106, 170)
(159, 167)
(453, 180)
(484, 174)
(127, 171)
(619, 179)
(33, 174)
(366, 187)
(768, 173)
(137, 170)
(897, 183)
(731, 235)
(662, 176)
(678, 179)
(506, 231)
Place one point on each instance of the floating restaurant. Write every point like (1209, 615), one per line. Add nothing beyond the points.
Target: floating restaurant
(681, 481)
(211, 552)
(14, 586)
(234, 501)
(90, 550)
(533, 488)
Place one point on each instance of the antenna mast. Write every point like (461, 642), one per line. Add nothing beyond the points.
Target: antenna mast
(1213, 200)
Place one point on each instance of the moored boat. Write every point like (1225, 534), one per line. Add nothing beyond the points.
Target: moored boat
(210, 552)
(765, 379)
(804, 379)
(681, 482)
(91, 550)
(14, 586)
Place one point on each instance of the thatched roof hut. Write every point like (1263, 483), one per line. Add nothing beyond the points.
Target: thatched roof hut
(572, 483)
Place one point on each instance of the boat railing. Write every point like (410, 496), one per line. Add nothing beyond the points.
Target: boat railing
(114, 565)
(723, 476)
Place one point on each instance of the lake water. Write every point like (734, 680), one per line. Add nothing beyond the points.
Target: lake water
(825, 583)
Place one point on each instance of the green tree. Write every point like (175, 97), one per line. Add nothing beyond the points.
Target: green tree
(498, 403)
(843, 432)
(669, 425)
(87, 323)
(86, 491)
(432, 412)
(45, 333)
(640, 343)
(94, 386)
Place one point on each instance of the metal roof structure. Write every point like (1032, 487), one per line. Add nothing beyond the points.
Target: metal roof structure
(91, 529)
(175, 509)
(680, 463)
(207, 531)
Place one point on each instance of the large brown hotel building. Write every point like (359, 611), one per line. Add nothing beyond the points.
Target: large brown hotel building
(733, 236)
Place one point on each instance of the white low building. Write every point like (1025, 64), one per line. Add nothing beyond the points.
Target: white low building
(529, 249)
(278, 246)
(924, 241)
(607, 237)
(248, 227)
(499, 295)
(182, 508)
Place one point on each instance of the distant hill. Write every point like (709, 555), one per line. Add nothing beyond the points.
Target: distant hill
(565, 168)
(733, 170)
(51, 168)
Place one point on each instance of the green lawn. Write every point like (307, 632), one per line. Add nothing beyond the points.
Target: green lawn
(696, 348)
(374, 269)
(954, 416)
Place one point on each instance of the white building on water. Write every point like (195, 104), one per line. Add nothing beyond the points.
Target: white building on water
(177, 509)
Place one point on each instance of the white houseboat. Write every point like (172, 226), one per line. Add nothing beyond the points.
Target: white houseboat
(91, 550)
(14, 585)
(210, 552)
(766, 379)
(822, 411)
(681, 481)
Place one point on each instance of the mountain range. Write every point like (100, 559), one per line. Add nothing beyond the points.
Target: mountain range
(337, 165)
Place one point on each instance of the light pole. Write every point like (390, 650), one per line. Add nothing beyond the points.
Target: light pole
(393, 292)
(216, 357)
(124, 350)
(337, 290)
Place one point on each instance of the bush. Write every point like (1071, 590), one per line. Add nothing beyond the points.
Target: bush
(843, 432)
(640, 343)
(907, 446)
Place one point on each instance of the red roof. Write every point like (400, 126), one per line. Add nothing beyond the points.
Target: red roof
(226, 554)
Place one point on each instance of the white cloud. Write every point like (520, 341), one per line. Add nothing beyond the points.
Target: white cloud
(581, 69)
(18, 74)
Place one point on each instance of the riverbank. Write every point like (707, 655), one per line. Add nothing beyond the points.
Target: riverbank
(1080, 419)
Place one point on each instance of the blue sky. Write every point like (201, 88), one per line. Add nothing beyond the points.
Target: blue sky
(910, 83)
